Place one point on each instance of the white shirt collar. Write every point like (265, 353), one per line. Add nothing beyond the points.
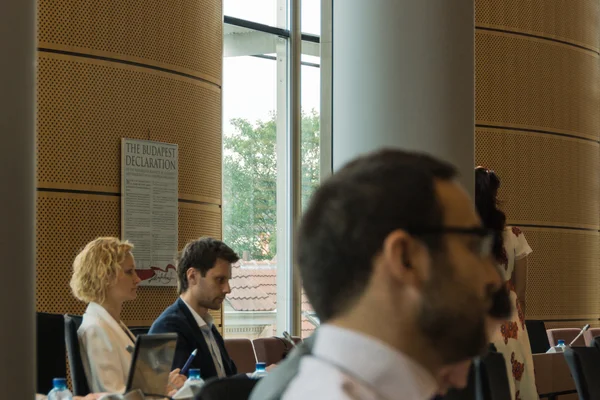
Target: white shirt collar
(202, 322)
(374, 362)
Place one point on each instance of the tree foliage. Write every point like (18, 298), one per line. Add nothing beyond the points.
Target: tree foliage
(250, 182)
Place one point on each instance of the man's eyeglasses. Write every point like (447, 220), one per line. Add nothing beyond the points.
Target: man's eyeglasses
(482, 247)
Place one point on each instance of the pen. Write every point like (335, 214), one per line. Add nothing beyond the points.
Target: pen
(186, 367)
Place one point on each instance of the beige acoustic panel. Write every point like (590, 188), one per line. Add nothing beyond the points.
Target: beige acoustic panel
(572, 324)
(194, 221)
(563, 274)
(537, 84)
(577, 22)
(86, 106)
(65, 224)
(197, 220)
(186, 35)
(545, 179)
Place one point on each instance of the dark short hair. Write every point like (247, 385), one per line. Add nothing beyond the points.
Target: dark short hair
(201, 254)
(352, 213)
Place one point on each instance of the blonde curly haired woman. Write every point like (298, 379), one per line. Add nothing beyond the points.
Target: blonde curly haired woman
(104, 277)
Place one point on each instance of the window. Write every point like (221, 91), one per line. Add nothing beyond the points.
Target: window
(256, 140)
(261, 11)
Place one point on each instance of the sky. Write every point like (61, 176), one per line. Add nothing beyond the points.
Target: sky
(250, 83)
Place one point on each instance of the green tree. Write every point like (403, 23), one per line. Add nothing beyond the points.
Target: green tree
(250, 182)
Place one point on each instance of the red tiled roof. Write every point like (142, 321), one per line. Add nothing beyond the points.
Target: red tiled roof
(254, 288)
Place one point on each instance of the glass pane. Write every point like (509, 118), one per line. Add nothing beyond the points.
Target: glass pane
(311, 17)
(261, 11)
(249, 185)
(311, 103)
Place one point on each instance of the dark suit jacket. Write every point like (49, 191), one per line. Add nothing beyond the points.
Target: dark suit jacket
(177, 318)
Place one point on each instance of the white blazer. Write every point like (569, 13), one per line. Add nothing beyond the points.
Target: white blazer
(103, 344)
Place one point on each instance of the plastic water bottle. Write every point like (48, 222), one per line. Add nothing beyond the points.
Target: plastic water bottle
(60, 391)
(261, 370)
(561, 345)
(194, 378)
(192, 385)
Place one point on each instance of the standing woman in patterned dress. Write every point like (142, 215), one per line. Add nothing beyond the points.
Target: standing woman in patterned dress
(511, 250)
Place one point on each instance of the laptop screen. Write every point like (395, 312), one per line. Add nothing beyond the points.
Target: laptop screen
(151, 363)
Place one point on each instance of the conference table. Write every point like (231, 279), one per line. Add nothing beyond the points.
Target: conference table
(553, 377)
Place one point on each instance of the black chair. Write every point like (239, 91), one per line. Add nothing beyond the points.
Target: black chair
(51, 361)
(492, 379)
(595, 342)
(584, 363)
(538, 338)
(232, 388)
(80, 384)
(139, 330)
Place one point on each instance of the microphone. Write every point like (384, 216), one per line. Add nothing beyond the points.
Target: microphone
(585, 328)
(288, 338)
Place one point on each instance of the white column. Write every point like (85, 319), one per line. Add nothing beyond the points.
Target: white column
(403, 76)
(17, 238)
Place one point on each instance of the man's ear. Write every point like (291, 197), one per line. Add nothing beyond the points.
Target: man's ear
(191, 275)
(396, 253)
(404, 256)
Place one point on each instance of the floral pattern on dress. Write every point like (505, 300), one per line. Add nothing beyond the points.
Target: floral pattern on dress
(517, 367)
(512, 344)
(509, 330)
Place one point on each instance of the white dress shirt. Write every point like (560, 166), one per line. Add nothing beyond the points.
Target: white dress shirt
(206, 325)
(103, 345)
(349, 365)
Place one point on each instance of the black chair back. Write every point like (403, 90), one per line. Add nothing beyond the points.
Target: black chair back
(492, 378)
(595, 342)
(80, 384)
(231, 388)
(139, 330)
(51, 350)
(538, 338)
(584, 363)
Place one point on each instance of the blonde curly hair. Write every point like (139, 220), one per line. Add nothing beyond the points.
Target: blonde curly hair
(97, 266)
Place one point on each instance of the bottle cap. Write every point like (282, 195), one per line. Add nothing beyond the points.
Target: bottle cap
(59, 383)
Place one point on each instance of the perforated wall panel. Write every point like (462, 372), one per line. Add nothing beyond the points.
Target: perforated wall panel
(66, 222)
(572, 21)
(561, 282)
(538, 125)
(86, 106)
(546, 179)
(185, 36)
(531, 83)
(572, 324)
